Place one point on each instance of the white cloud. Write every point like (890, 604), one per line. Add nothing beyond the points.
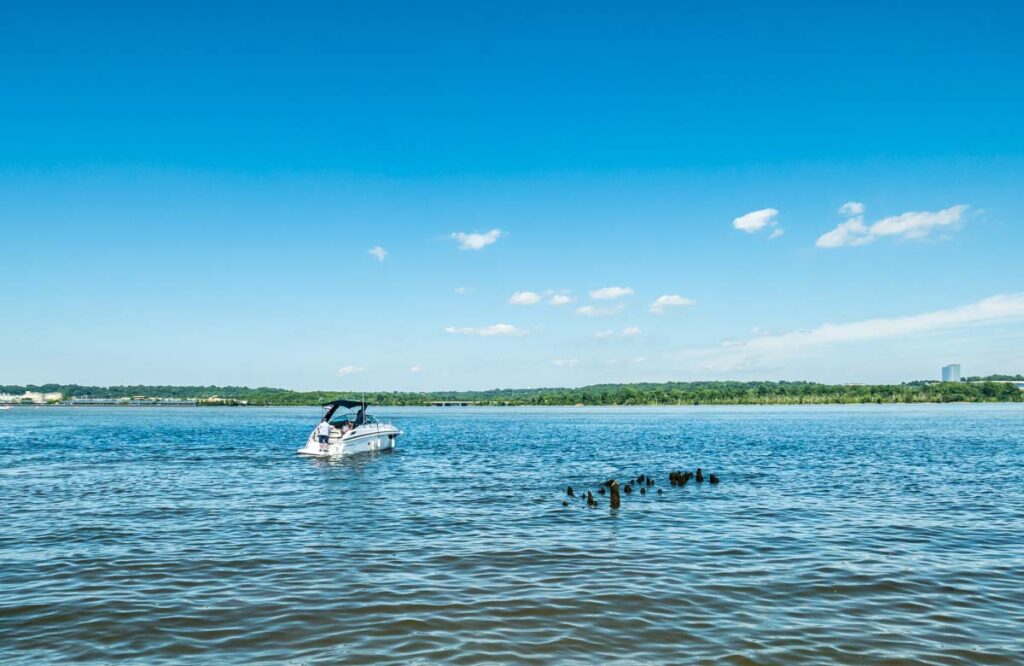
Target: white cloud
(378, 253)
(610, 293)
(662, 303)
(851, 232)
(628, 332)
(917, 224)
(851, 208)
(911, 226)
(741, 354)
(640, 359)
(416, 367)
(776, 233)
(757, 220)
(462, 290)
(565, 362)
(487, 331)
(524, 298)
(350, 370)
(599, 310)
(477, 241)
(560, 299)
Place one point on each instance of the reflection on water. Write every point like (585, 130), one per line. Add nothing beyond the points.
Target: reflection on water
(859, 534)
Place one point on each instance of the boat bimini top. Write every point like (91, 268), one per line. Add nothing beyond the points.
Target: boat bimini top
(347, 404)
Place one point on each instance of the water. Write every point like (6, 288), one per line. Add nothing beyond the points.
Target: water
(864, 534)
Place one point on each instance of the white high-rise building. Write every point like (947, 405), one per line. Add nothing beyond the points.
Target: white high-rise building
(951, 372)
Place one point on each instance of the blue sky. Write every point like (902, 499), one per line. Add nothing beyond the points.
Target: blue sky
(827, 191)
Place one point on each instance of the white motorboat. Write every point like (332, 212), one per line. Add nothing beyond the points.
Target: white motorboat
(349, 433)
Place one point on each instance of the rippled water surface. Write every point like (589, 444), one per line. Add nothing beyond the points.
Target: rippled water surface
(863, 534)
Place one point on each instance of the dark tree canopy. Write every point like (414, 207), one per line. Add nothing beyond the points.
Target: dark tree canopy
(670, 393)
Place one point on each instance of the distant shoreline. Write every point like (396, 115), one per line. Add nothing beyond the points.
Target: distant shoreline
(157, 405)
(996, 388)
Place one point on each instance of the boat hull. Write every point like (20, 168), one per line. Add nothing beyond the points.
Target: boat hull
(365, 439)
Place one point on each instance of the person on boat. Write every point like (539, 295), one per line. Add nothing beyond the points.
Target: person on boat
(360, 417)
(323, 432)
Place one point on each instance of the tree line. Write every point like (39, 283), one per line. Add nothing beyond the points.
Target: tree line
(670, 393)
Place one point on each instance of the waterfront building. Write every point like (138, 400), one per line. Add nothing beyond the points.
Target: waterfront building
(951, 372)
(33, 397)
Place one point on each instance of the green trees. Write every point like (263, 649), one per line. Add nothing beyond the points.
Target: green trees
(996, 378)
(670, 393)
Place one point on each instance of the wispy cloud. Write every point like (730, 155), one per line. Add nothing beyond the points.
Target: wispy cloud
(566, 362)
(477, 241)
(757, 220)
(462, 290)
(910, 226)
(560, 299)
(524, 298)
(663, 303)
(917, 224)
(378, 253)
(346, 370)
(415, 368)
(851, 232)
(628, 332)
(610, 293)
(487, 331)
(600, 310)
(852, 208)
(740, 354)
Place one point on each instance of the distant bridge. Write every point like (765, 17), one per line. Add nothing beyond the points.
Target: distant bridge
(1016, 382)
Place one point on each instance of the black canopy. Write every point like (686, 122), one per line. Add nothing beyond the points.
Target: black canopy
(347, 404)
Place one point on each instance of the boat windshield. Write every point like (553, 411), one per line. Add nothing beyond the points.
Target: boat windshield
(342, 419)
(350, 418)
